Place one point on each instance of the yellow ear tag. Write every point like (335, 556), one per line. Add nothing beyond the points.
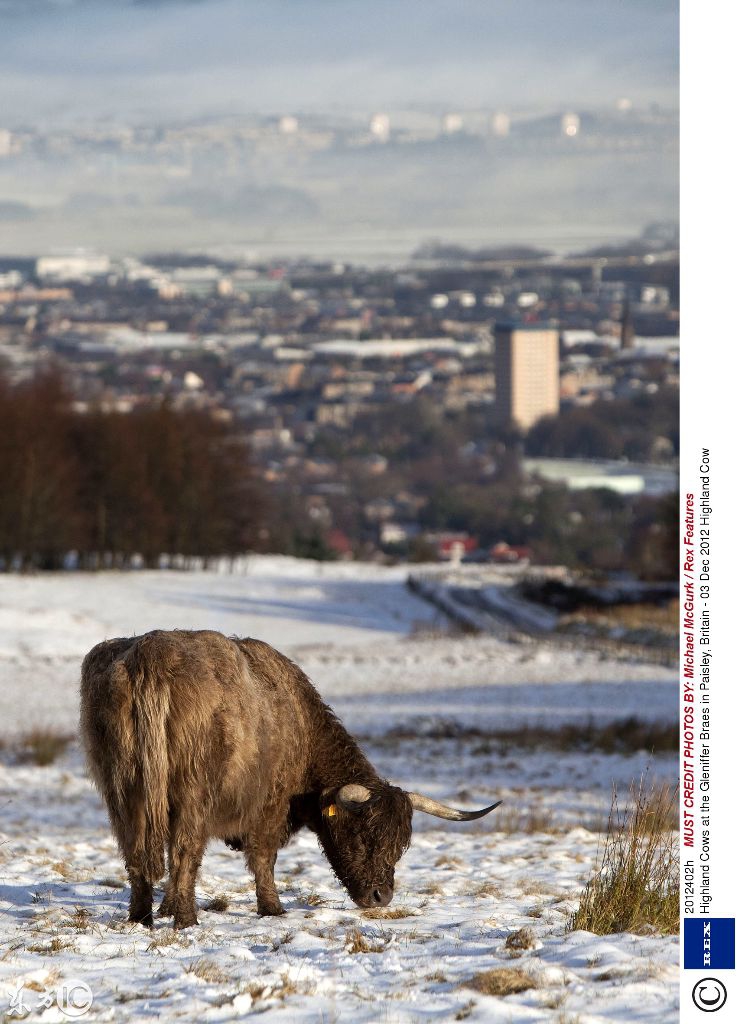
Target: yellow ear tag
(331, 811)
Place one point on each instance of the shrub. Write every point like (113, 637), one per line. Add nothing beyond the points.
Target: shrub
(638, 882)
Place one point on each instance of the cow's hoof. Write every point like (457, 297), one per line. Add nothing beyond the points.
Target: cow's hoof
(234, 843)
(184, 921)
(270, 909)
(145, 919)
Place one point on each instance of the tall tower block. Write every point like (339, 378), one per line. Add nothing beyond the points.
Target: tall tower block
(526, 373)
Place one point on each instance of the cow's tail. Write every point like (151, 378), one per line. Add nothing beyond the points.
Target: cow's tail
(125, 699)
(150, 708)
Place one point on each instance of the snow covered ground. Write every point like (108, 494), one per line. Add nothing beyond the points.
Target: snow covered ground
(379, 656)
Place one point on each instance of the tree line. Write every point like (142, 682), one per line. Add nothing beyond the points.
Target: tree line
(116, 488)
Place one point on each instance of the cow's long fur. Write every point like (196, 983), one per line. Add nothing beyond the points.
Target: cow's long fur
(192, 735)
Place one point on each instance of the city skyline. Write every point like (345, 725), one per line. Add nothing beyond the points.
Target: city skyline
(66, 60)
(338, 129)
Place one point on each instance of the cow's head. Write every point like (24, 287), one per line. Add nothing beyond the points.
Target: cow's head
(365, 830)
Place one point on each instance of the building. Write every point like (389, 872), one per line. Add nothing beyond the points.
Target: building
(526, 373)
(628, 334)
(610, 474)
(77, 266)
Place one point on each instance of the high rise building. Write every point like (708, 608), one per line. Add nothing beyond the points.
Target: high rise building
(526, 373)
(627, 325)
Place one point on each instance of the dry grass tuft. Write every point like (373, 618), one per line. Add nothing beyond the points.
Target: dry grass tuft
(502, 981)
(554, 1000)
(42, 746)
(63, 868)
(487, 889)
(567, 1018)
(622, 735)
(218, 903)
(208, 971)
(283, 940)
(638, 882)
(444, 861)
(166, 937)
(256, 990)
(57, 945)
(356, 942)
(522, 939)
(290, 987)
(315, 900)
(387, 913)
(537, 819)
(80, 920)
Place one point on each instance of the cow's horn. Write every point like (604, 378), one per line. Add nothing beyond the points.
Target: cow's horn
(353, 794)
(424, 803)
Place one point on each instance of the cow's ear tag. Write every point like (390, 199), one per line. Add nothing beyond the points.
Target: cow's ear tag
(331, 811)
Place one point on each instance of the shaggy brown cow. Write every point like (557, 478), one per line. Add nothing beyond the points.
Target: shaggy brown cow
(191, 735)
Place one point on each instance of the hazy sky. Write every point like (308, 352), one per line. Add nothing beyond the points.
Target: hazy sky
(71, 59)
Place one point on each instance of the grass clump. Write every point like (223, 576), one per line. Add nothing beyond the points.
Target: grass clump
(487, 889)
(57, 945)
(616, 736)
(42, 746)
(219, 904)
(387, 913)
(313, 899)
(638, 883)
(448, 862)
(356, 942)
(166, 937)
(208, 971)
(502, 981)
(80, 919)
(537, 819)
(522, 939)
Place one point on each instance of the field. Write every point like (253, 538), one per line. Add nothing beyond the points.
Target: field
(478, 927)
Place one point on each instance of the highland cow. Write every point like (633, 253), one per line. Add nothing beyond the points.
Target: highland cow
(192, 735)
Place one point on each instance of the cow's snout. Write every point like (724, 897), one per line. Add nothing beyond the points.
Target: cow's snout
(378, 896)
(381, 896)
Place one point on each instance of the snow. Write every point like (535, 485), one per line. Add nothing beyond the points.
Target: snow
(383, 659)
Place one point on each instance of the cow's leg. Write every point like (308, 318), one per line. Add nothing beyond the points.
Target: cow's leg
(187, 847)
(140, 902)
(127, 830)
(165, 908)
(261, 860)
